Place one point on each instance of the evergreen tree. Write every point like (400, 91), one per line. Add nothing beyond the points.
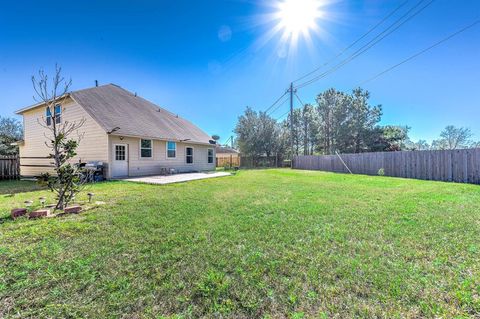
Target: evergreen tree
(10, 131)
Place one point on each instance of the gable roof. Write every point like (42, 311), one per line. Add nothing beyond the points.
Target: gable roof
(121, 112)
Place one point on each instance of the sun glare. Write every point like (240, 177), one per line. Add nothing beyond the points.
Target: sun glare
(298, 16)
(292, 22)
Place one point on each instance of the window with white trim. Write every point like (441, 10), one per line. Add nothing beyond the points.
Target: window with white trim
(48, 116)
(189, 155)
(120, 153)
(58, 114)
(171, 149)
(210, 155)
(146, 150)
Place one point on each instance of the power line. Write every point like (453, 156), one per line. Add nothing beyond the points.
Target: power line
(292, 91)
(274, 103)
(281, 116)
(359, 52)
(226, 142)
(407, 59)
(421, 52)
(278, 106)
(354, 43)
(371, 43)
(299, 99)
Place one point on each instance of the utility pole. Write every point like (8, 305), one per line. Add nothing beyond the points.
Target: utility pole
(231, 140)
(291, 91)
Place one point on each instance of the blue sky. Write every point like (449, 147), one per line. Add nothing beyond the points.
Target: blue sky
(206, 60)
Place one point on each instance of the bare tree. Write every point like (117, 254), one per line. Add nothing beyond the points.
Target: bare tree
(67, 181)
(452, 138)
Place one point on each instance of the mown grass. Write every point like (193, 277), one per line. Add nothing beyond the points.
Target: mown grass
(266, 243)
(15, 186)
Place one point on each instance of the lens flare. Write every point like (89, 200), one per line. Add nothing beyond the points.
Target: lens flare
(290, 28)
(298, 16)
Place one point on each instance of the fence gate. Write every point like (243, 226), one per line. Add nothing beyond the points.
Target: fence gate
(9, 167)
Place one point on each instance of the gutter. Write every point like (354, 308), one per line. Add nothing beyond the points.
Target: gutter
(17, 143)
(185, 141)
(28, 108)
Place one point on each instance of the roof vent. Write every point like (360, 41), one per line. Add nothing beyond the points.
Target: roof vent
(96, 83)
(135, 94)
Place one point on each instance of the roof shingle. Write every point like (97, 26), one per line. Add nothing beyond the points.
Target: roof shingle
(114, 107)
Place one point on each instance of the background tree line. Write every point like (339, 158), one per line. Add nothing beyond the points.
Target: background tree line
(451, 138)
(10, 131)
(337, 122)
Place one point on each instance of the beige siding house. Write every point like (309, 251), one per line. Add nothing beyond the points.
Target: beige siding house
(130, 135)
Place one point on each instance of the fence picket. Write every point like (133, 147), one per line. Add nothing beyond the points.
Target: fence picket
(9, 167)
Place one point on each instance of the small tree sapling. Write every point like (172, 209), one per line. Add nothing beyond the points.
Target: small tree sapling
(67, 179)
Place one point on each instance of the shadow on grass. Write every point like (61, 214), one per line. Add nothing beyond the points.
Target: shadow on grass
(14, 187)
(5, 219)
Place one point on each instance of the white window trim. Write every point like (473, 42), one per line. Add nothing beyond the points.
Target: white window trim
(193, 155)
(47, 109)
(115, 152)
(55, 113)
(213, 156)
(166, 150)
(140, 149)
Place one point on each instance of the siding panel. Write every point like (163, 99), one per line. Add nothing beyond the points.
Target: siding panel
(92, 147)
(151, 166)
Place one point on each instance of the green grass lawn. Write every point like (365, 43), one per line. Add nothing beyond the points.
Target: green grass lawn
(264, 243)
(14, 187)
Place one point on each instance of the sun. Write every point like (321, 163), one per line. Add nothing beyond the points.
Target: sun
(295, 23)
(298, 16)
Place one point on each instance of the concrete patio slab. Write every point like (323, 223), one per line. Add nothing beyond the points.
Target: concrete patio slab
(177, 178)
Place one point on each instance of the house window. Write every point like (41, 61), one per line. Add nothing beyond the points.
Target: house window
(210, 155)
(189, 154)
(120, 152)
(171, 149)
(146, 148)
(48, 116)
(58, 114)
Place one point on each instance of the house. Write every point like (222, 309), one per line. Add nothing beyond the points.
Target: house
(130, 135)
(227, 156)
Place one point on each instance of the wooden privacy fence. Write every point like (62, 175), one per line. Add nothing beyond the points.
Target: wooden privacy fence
(231, 161)
(9, 167)
(462, 166)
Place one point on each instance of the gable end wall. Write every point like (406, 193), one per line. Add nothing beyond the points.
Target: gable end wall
(93, 146)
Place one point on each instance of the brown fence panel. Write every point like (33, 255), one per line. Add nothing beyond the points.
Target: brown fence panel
(461, 166)
(9, 167)
(232, 161)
